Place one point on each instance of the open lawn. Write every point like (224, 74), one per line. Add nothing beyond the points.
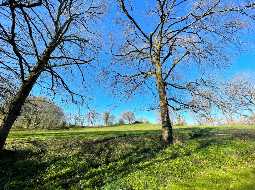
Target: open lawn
(130, 157)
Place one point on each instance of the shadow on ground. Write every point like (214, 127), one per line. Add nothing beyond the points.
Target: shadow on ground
(82, 163)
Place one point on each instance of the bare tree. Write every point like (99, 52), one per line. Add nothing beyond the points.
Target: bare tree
(128, 116)
(237, 103)
(180, 120)
(240, 98)
(92, 117)
(40, 42)
(108, 118)
(241, 94)
(180, 39)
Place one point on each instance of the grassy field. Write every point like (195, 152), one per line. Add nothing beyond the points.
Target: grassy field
(130, 157)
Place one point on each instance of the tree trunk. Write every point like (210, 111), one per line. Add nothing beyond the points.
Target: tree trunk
(167, 129)
(14, 108)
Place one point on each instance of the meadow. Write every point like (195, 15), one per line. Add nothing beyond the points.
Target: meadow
(130, 157)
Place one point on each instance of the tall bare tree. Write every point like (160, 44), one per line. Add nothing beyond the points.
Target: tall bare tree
(92, 117)
(40, 41)
(176, 40)
(108, 118)
(128, 116)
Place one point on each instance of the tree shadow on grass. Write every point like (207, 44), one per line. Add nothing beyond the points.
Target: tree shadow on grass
(214, 132)
(17, 171)
(103, 161)
(115, 157)
(205, 137)
(82, 163)
(83, 134)
(75, 163)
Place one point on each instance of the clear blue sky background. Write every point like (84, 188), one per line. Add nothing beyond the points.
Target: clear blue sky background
(102, 99)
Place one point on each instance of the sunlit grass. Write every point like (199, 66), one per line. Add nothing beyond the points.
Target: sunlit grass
(130, 157)
(88, 133)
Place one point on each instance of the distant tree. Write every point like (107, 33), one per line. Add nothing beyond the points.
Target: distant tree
(180, 37)
(92, 116)
(239, 98)
(144, 120)
(108, 118)
(206, 120)
(7, 89)
(251, 119)
(39, 112)
(76, 119)
(137, 122)
(240, 92)
(180, 120)
(82, 120)
(129, 117)
(41, 40)
(121, 122)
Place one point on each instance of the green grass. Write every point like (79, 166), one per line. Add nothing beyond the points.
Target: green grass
(130, 157)
(86, 133)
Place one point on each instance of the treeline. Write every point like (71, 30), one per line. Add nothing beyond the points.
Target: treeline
(104, 119)
(94, 119)
(41, 113)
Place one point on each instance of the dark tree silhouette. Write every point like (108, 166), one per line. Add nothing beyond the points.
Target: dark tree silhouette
(41, 41)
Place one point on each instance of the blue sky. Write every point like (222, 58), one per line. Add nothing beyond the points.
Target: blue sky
(101, 98)
(244, 63)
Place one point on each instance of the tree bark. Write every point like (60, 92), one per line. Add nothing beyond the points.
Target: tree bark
(14, 108)
(167, 129)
